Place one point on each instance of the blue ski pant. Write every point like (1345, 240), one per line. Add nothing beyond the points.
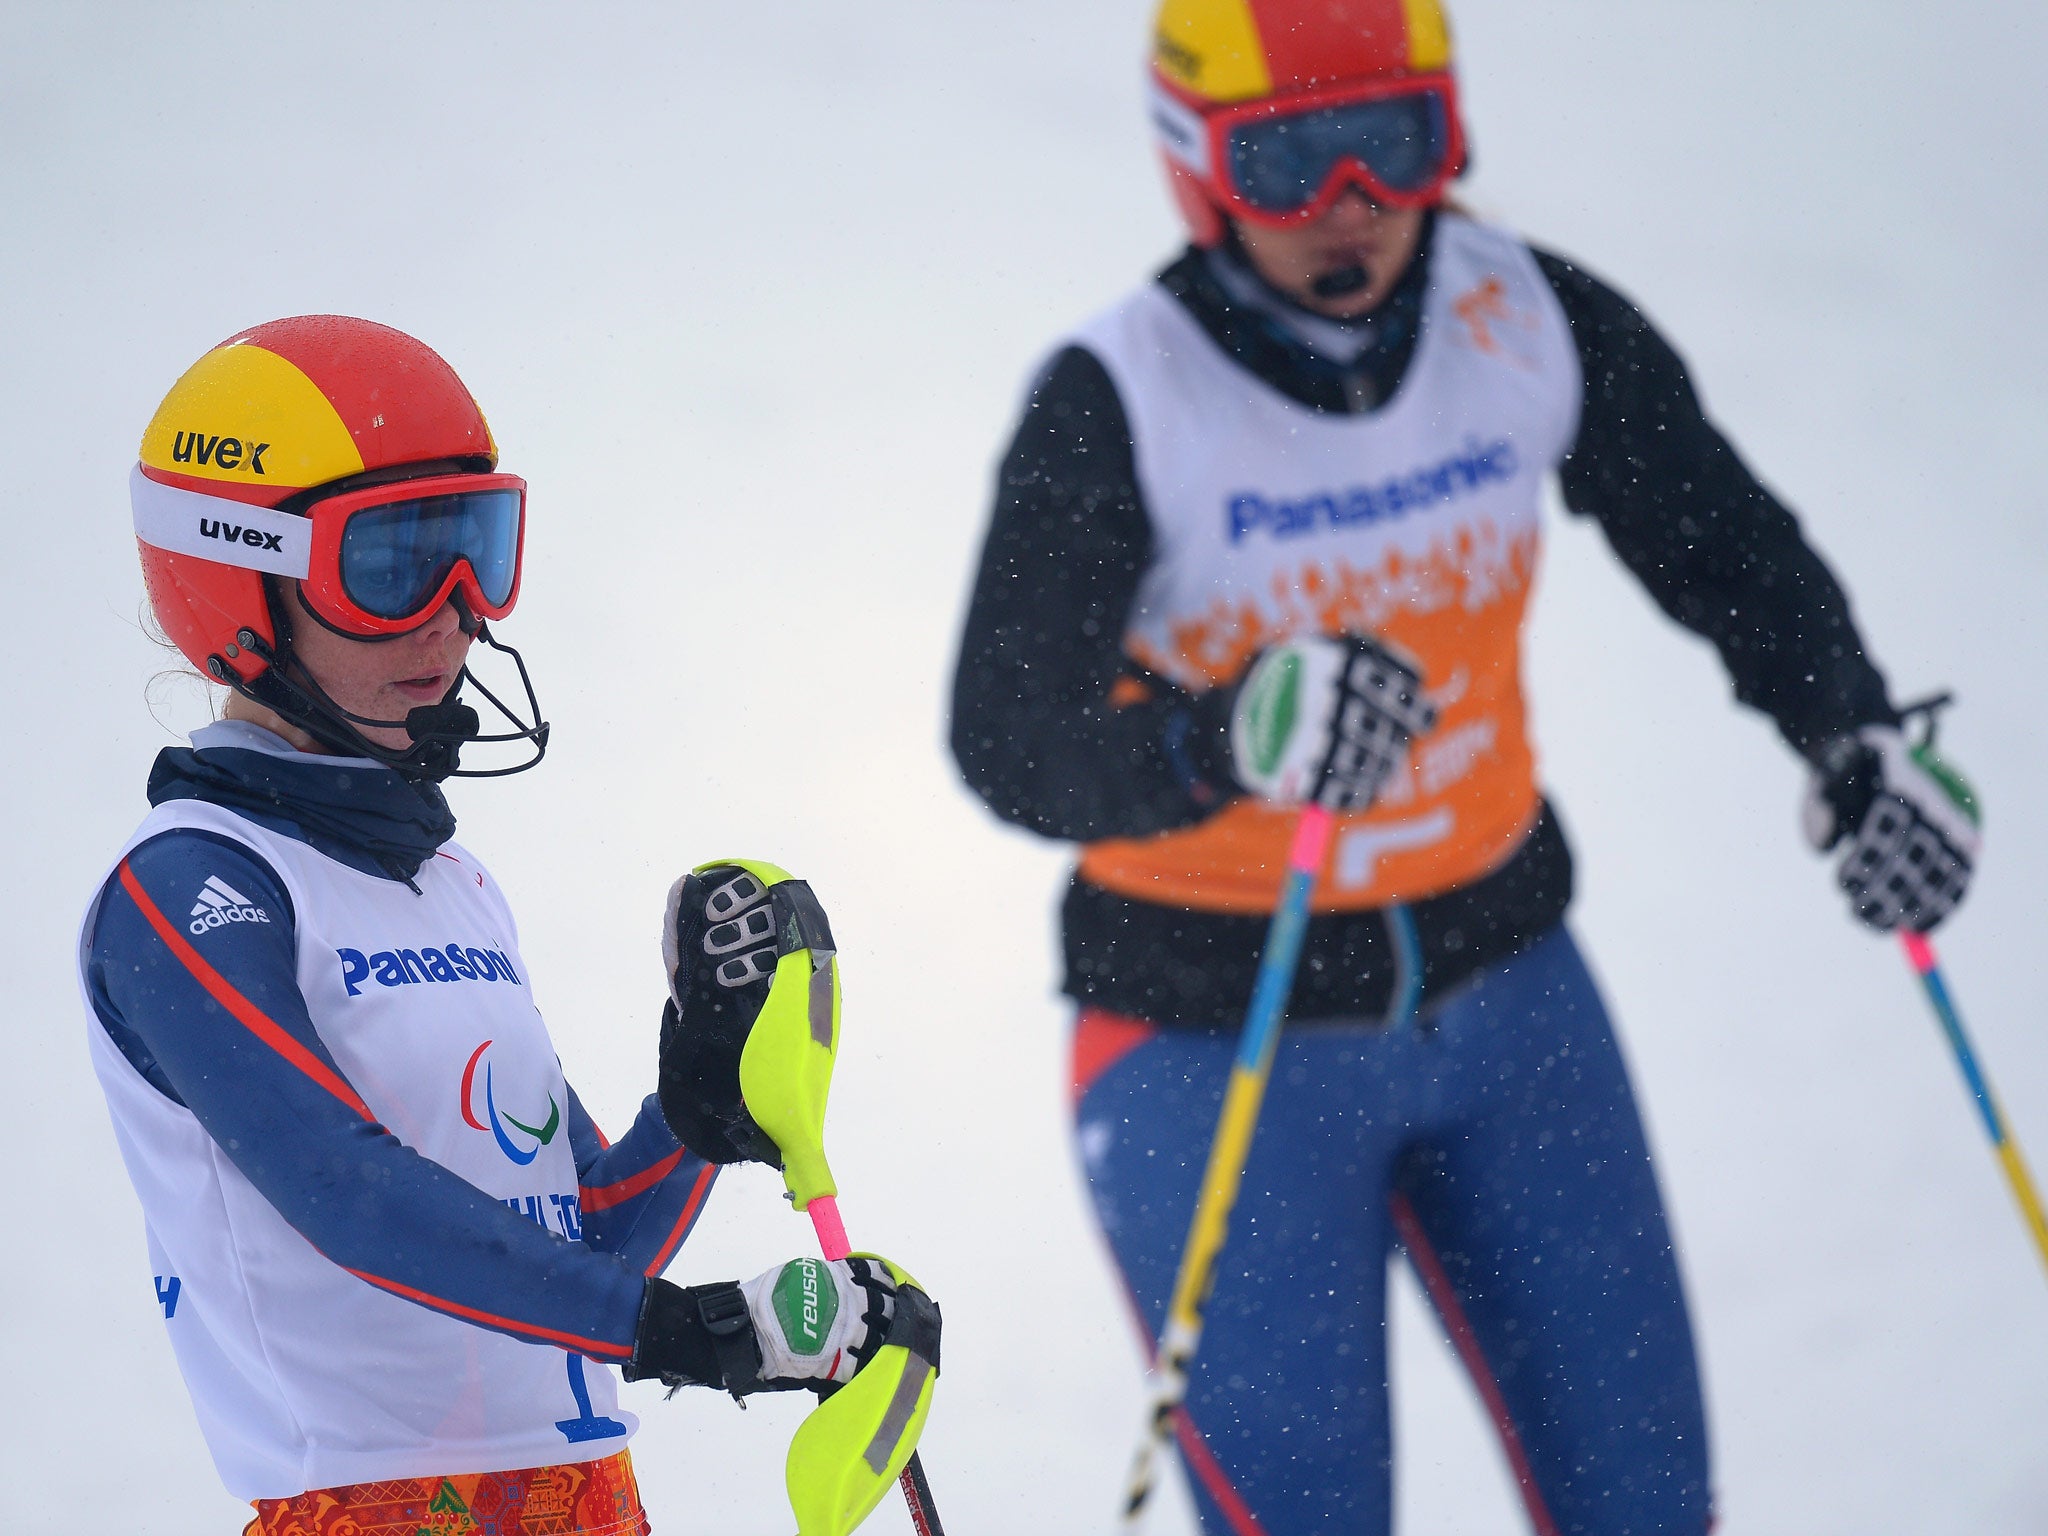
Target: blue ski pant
(1496, 1140)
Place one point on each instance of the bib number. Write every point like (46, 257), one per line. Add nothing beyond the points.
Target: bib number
(586, 1425)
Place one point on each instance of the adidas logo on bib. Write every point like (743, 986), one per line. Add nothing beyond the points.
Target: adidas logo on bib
(220, 904)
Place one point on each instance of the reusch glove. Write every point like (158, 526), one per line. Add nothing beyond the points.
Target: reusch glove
(721, 936)
(1905, 820)
(819, 1320)
(1326, 720)
(808, 1323)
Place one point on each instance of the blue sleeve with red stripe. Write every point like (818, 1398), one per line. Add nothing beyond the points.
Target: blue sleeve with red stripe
(639, 1196)
(219, 1025)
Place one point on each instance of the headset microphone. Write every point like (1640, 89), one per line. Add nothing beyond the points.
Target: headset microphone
(1340, 282)
(449, 720)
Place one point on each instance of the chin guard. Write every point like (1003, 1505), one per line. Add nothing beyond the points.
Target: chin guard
(786, 1065)
(858, 1440)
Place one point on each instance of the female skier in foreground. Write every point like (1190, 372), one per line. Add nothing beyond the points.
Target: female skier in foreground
(393, 1252)
(1265, 537)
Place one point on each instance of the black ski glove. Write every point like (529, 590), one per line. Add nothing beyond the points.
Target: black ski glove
(1905, 820)
(808, 1323)
(720, 940)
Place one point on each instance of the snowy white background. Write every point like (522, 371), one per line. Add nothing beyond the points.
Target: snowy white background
(749, 294)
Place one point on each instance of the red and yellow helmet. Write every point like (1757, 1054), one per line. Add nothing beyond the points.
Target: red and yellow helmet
(1268, 109)
(266, 415)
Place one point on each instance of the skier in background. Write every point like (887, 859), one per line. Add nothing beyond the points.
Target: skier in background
(388, 1241)
(1265, 536)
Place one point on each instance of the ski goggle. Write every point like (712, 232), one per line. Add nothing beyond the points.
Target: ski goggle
(371, 562)
(1284, 161)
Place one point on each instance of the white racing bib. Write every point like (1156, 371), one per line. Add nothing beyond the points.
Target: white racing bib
(302, 1375)
(1417, 523)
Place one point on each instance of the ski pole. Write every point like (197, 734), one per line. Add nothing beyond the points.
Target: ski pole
(1228, 1151)
(917, 1489)
(1920, 955)
(838, 1466)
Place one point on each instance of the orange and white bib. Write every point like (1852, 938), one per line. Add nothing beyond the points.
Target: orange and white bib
(1417, 523)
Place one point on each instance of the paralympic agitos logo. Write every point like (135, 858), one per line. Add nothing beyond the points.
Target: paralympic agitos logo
(499, 1124)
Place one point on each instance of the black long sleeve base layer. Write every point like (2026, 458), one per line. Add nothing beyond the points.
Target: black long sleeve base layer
(1036, 736)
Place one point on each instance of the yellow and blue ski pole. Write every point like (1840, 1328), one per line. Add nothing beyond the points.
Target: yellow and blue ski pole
(1227, 1153)
(1920, 955)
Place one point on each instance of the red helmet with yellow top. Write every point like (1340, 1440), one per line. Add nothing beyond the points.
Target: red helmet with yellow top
(1268, 110)
(346, 456)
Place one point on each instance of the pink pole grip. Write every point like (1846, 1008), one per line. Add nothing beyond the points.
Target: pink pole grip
(1311, 838)
(1919, 953)
(824, 1214)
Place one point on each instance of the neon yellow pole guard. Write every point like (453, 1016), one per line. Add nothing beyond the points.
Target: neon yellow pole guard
(862, 1438)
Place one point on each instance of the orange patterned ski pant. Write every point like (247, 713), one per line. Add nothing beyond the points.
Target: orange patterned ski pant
(584, 1498)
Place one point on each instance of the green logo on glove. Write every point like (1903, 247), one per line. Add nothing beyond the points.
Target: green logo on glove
(1273, 698)
(1953, 784)
(806, 1303)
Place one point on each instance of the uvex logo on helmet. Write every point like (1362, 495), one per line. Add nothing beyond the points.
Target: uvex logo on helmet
(235, 533)
(226, 452)
(1175, 56)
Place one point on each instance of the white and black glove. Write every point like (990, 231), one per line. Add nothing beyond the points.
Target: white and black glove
(807, 1323)
(1906, 823)
(721, 936)
(1325, 720)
